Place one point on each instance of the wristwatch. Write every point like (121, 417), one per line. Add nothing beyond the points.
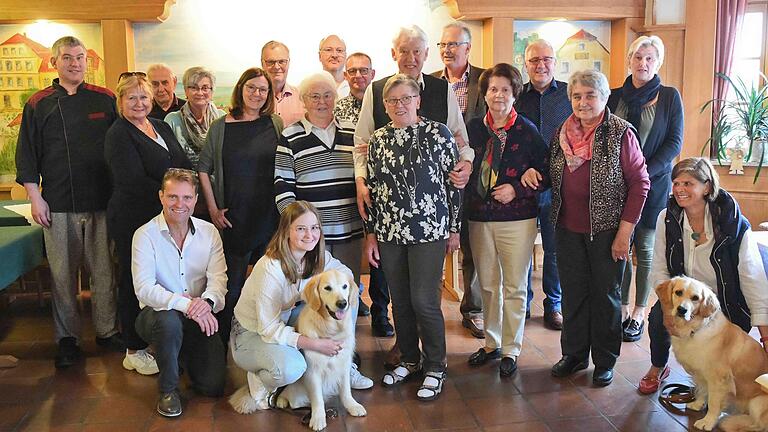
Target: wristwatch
(210, 302)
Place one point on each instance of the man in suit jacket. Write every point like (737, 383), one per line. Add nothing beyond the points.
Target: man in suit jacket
(463, 79)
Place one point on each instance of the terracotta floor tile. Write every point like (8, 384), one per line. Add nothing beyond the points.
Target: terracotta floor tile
(59, 412)
(12, 414)
(258, 421)
(183, 423)
(619, 398)
(484, 382)
(539, 380)
(589, 424)
(380, 417)
(15, 390)
(493, 411)
(122, 426)
(61, 428)
(78, 386)
(122, 409)
(440, 414)
(535, 426)
(650, 421)
(562, 404)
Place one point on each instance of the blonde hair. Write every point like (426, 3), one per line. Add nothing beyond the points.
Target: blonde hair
(180, 175)
(129, 83)
(702, 170)
(279, 247)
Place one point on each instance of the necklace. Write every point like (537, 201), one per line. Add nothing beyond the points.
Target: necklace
(696, 236)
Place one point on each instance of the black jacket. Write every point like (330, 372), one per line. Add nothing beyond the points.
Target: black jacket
(62, 140)
(729, 226)
(663, 145)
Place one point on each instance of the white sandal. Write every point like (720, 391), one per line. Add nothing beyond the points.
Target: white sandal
(432, 386)
(400, 373)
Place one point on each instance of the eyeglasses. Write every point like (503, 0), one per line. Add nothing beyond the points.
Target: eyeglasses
(331, 51)
(316, 97)
(204, 89)
(272, 63)
(537, 60)
(302, 229)
(451, 45)
(250, 88)
(130, 74)
(361, 71)
(405, 100)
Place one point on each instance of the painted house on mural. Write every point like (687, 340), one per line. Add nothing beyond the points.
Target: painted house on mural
(582, 51)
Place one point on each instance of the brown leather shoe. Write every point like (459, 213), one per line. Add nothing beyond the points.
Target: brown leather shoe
(553, 320)
(475, 325)
(392, 358)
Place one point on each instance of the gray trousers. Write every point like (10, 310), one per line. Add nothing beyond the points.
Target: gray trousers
(472, 300)
(350, 254)
(414, 273)
(77, 240)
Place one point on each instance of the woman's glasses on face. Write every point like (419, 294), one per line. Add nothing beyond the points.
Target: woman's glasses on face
(303, 229)
(204, 89)
(250, 89)
(405, 100)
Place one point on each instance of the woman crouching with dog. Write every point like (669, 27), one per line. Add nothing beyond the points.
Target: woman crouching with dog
(703, 234)
(264, 341)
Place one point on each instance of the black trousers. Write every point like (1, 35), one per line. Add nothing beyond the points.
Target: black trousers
(237, 267)
(127, 304)
(378, 290)
(591, 304)
(176, 338)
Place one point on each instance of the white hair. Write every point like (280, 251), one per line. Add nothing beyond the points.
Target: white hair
(590, 78)
(645, 41)
(461, 26)
(322, 41)
(323, 78)
(412, 32)
(160, 66)
(539, 43)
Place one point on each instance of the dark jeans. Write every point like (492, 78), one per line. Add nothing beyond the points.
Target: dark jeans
(127, 304)
(415, 273)
(550, 280)
(177, 338)
(591, 282)
(378, 290)
(237, 267)
(660, 339)
(472, 301)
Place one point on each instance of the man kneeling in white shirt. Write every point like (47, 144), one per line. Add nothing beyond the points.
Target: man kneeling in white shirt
(179, 275)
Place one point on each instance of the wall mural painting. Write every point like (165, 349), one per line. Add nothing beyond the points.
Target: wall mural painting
(25, 68)
(578, 45)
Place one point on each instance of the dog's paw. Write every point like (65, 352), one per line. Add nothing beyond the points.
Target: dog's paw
(706, 424)
(697, 405)
(281, 402)
(317, 423)
(242, 402)
(356, 410)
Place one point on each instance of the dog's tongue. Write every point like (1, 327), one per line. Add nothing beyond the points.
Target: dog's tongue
(340, 314)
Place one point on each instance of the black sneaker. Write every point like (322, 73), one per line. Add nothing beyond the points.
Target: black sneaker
(169, 404)
(363, 310)
(634, 331)
(68, 353)
(112, 343)
(382, 328)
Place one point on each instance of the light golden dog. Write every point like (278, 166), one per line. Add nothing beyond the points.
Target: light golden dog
(722, 360)
(330, 297)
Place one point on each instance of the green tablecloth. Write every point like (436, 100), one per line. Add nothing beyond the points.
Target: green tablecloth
(21, 250)
(9, 218)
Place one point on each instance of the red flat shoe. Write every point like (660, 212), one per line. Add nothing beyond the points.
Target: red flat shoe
(650, 384)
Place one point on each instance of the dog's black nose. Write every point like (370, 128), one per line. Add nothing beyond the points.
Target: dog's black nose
(681, 311)
(341, 304)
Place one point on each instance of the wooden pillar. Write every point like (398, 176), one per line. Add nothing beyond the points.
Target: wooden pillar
(118, 49)
(498, 41)
(698, 73)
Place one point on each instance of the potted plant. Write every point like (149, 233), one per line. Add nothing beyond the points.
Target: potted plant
(743, 120)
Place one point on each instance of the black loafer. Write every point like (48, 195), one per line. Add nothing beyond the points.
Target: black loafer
(363, 310)
(633, 331)
(507, 367)
(68, 353)
(567, 366)
(113, 343)
(481, 357)
(382, 328)
(602, 376)
(169, 404)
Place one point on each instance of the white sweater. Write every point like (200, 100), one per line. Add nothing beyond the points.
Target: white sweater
(268, 297)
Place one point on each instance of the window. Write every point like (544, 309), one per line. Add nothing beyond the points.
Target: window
(30, 83)
(19, 82)
(581, 56)
(7, 101)
(18, 65)
(565, 67)
(13, 51)
(582, 47)
(5, 51)
(10, 82)
(597, 65)
(29, 65)
(8, 65)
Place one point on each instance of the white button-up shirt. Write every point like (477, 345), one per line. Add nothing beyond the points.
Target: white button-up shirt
(166, 277)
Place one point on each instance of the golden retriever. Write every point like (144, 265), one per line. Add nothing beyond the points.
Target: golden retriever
(328, 313)
(722, 360)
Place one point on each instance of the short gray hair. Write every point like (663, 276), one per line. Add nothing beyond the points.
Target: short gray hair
(400, 79)
(160, 66)
(461, 26)
(590, 78)
(322, 41)
(194, 74)
(645, 41)
(69, 41)
(412, 32)
(274, 44)
(538, 43)
(323, 78)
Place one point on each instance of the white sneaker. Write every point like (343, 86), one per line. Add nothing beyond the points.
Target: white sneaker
(258, 391)
(141, 361)
(357, 380)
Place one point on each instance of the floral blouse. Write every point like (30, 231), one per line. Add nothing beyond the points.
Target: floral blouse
(413, 198)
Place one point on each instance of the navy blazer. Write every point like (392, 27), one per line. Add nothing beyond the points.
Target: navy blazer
(663, 145)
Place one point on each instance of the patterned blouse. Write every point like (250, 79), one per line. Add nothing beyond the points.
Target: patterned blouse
(413, 199)
(347, 109)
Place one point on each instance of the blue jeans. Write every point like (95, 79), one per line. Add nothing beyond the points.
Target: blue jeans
(550, 280)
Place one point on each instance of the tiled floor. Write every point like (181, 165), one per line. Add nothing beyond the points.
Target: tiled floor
(98, 395)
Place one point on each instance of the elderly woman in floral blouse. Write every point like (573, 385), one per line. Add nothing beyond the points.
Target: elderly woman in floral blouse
(414, 219)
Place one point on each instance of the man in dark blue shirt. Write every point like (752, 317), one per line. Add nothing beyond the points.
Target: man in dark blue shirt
(544, 101)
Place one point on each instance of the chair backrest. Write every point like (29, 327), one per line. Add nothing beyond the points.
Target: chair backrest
(18, 192)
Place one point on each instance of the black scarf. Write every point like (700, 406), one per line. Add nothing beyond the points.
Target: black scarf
(637, 98)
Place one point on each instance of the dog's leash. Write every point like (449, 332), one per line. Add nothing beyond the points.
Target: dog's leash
(675, 393)
(329, 412)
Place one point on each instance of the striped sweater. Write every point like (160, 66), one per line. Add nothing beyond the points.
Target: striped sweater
(307, 169)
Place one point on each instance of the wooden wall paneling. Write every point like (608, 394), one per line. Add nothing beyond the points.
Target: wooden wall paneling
(671, 72)
(550, 9)
(118, 49)
(698, 73)
(498, 41)
(751, 196)
(84, 10)
(622, 34)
